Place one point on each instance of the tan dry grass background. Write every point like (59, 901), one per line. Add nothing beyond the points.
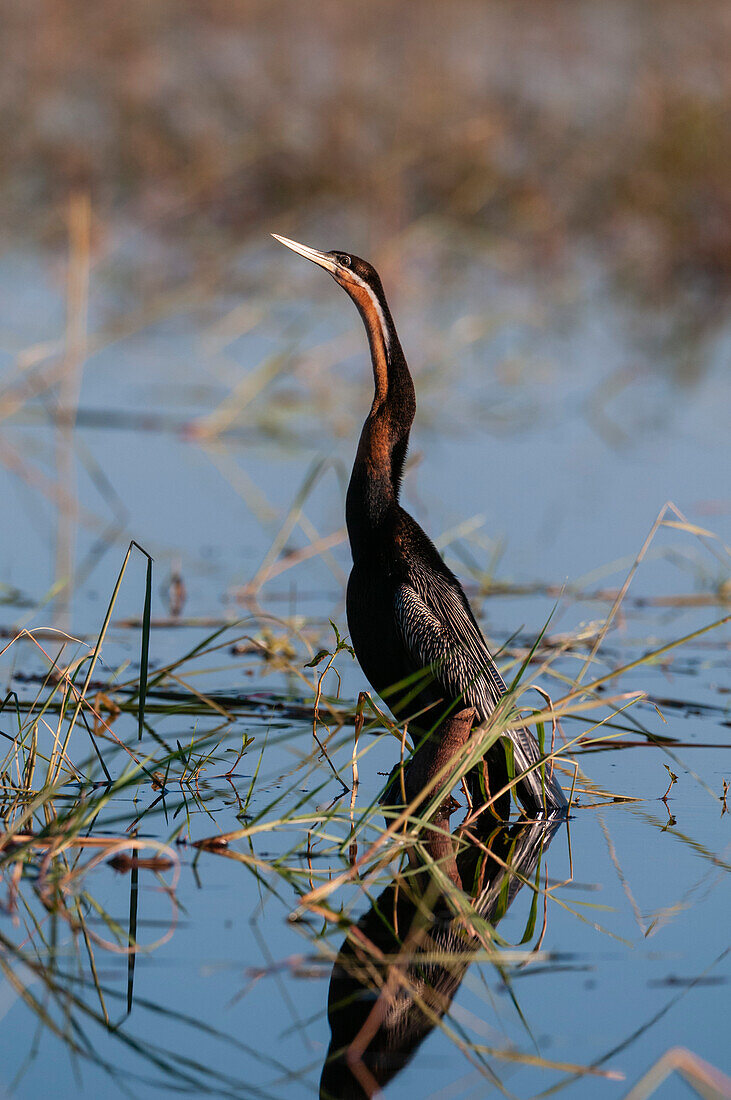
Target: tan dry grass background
(528, 124)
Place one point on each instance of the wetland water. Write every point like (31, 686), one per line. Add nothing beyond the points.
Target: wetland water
(217, 432)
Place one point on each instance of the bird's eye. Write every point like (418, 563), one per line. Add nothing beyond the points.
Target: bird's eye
(344, 260)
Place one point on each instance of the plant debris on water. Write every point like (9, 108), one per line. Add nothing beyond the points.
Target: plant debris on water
(98, 773)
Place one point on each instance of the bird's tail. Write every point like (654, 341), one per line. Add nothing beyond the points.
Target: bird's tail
(539, 789)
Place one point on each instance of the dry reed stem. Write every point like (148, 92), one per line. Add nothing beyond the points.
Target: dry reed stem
(704, 1078)
(684, 524)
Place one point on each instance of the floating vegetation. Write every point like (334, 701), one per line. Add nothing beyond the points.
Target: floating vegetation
(99, 773)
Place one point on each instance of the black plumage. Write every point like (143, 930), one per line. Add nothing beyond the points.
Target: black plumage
(409, 619)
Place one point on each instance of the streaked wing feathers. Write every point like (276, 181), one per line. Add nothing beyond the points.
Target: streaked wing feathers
(439, 631)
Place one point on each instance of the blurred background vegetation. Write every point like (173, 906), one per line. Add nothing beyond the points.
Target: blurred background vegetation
(517, 125)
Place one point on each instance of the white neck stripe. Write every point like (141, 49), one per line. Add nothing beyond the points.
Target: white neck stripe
(376, 305)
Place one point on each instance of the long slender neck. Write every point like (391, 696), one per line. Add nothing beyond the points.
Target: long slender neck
(376, 478)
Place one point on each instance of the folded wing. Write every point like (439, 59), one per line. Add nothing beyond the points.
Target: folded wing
(440, 633)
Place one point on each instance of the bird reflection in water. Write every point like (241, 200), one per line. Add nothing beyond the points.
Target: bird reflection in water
(401, 965)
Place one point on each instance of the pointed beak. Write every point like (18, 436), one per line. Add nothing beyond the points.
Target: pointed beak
(320, 258)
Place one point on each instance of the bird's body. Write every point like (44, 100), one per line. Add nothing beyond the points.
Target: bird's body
(411, 625)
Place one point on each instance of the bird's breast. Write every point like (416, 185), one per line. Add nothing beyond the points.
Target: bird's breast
(372, 624)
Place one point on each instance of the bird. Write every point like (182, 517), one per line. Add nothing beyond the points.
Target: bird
(411, 625)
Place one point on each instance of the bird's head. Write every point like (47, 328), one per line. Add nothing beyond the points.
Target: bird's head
(357, 277)
(394, 403)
